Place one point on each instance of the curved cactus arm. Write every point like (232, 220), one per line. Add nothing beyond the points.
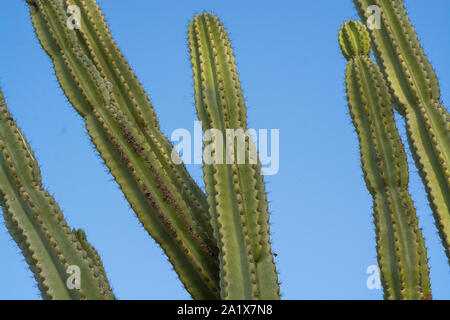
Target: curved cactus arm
(37, 224)
(235, 189)
(402, 255)
(97, 81)
(416, 90)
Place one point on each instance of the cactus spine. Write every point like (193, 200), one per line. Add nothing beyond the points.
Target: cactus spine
(123, 126)
(37, 225)
(402, 256)
(236, 196)
(415, 88)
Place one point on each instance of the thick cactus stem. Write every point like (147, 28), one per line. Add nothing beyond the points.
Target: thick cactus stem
(402, 256)
(415, 88)
(37, 225)
(236, 195)
(123, 126)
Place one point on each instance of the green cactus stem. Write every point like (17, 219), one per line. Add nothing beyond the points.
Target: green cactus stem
(122, 124)
(402, 256)
(235, 190)
(415, 88)
(36, 223)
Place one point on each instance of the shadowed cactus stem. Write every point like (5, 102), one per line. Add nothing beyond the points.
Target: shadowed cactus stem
(415, 88)
(402, 256)
(37, 225)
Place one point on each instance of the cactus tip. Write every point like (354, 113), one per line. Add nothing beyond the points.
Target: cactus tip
(354, 39)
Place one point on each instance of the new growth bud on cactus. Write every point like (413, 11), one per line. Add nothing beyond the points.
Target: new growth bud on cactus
(402, 256)
(354, 40)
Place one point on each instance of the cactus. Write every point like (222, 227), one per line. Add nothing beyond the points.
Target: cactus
(402, 256)
(36, 223)
(218, 241)
(123, 126)
(237, 201)
(218, 244)
(415, 88)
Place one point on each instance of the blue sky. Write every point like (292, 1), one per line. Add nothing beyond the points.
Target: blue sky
(292, 74)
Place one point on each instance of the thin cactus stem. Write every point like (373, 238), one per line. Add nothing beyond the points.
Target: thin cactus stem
(235, 189)
(123, 126)
(36, 223)
(402, 256)
(415, 88)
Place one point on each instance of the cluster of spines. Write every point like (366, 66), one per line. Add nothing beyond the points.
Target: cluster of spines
(401, 248)
(236, 195)
(37, 224)
(415, 88)
(120, 120)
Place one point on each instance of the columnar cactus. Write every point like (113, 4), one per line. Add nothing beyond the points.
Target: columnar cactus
(123, 126)
(402, 256)
(415, 88)
(37, 225)
(234, 183)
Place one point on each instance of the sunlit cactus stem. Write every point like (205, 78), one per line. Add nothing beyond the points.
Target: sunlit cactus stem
(37, 225)
(402, 256)
(235, 189)
(416, 92)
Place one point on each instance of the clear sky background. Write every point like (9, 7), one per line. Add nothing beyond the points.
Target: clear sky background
(292, 72)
